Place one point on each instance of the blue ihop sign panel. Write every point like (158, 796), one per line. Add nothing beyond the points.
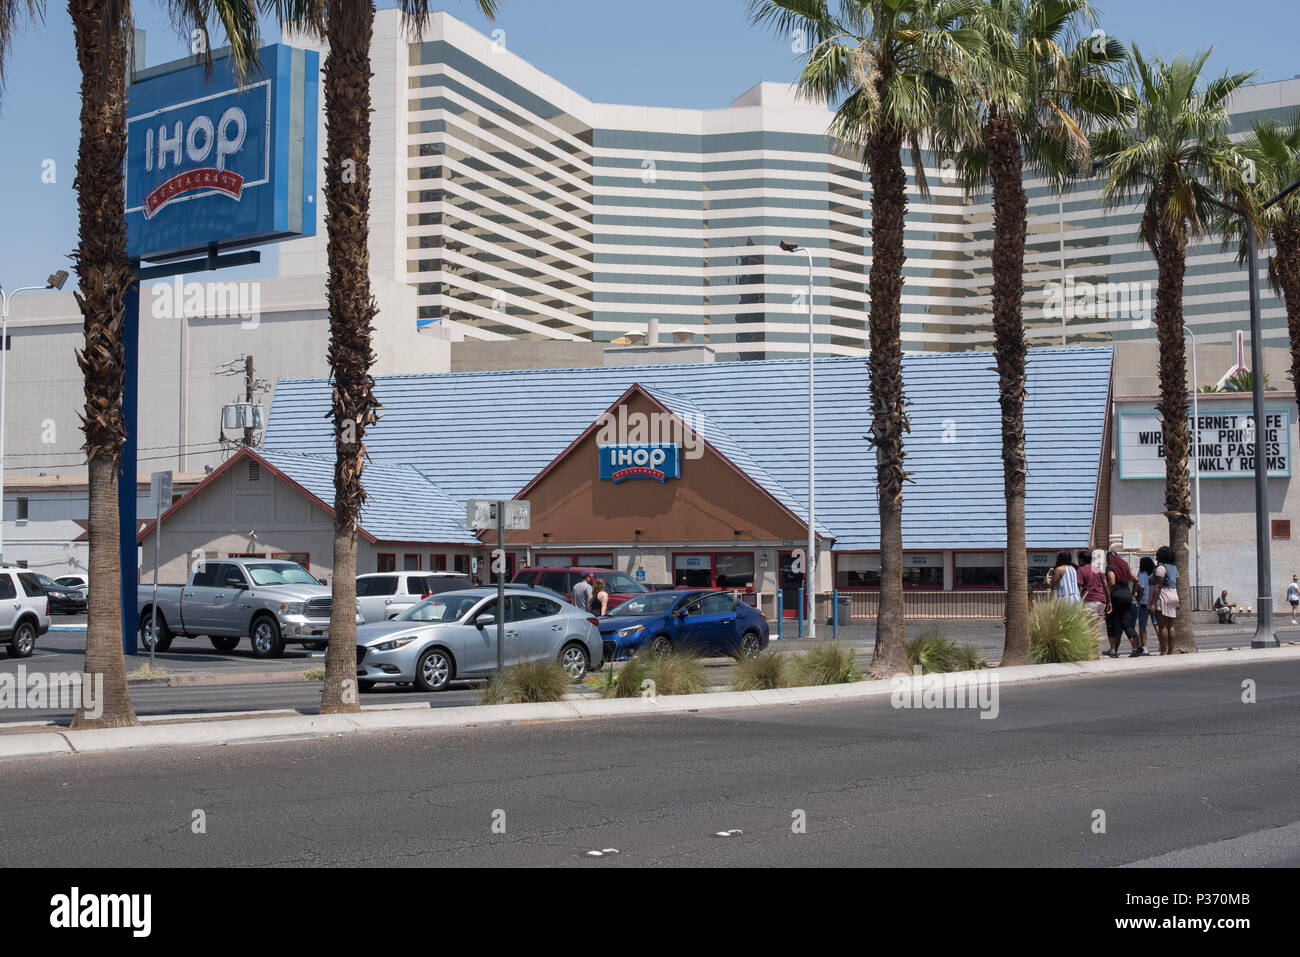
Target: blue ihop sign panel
(209, 161)
(656, 461)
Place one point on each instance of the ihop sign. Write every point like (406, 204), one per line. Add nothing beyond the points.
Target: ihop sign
(658, 461)
(210, 161)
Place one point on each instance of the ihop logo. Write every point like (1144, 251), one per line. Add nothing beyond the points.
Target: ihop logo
(657, 461)
(216, 146)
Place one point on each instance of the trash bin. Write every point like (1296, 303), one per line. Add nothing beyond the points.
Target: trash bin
(846, 609)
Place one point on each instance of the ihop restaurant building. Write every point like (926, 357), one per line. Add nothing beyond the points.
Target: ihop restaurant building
(697, 474)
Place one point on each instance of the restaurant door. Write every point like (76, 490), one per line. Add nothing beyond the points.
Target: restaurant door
(789, 582)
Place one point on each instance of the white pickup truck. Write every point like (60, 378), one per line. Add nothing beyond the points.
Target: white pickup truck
(270, 602)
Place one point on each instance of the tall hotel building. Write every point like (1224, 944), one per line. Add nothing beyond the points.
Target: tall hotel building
(520, 209)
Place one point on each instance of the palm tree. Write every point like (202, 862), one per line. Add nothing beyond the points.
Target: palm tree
(1272, 150)
(894, 67)
(102, 31)
(1167, 156)
(1039, 87)
(13, 13)
(346, 26)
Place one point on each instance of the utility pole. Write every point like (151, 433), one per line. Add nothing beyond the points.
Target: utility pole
(248, 397)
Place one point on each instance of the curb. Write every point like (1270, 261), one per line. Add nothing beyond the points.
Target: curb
(295, 727)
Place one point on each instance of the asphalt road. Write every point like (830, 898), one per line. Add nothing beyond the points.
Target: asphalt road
(1182, 769)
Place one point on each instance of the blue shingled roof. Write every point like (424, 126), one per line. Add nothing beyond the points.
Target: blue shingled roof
(401, 505)
(487, 434)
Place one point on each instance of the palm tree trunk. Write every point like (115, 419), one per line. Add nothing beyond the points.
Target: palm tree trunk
(104, 277)
(888, 402)
(352, 310)
(1286, 241)
(1005, 170)
(1171, 259)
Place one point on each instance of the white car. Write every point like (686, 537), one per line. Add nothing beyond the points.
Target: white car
(382, 596)
(79, 582)
(24, 610)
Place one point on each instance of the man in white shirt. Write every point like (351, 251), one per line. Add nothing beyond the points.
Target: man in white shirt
(1293, 596)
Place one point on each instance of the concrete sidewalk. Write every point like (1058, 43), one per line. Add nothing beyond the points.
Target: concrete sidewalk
(224, 731)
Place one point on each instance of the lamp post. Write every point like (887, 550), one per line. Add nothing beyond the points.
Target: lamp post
(1263, 563)
(810, 560)
(1196, 454)
(55, 281)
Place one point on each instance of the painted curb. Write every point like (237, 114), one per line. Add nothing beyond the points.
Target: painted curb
(285, 728)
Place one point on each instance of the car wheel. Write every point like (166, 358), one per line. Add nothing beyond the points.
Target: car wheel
(659, 646)
(363, 685)
(147, 637)
(266, 638)
(750, 646)
(223, 642)
(434, 670)
(23, 640)
(575, 661)
(315, 645)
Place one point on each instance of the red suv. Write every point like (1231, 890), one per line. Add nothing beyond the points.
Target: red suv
(620, 585)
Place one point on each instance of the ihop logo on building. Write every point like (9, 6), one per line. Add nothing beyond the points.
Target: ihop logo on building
(209, 160)
(658, 461)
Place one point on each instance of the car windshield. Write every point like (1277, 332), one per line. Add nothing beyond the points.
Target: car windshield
(70, 582)
(286, 574)
(44, 580)
(445, 607)
(654, 603)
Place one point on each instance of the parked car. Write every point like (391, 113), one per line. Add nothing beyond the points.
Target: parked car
(270, 602)
(454, 635)
(79, 582)
(63, 599)
(702, 622)
(620, 585)
(385, 595)
(24, 610)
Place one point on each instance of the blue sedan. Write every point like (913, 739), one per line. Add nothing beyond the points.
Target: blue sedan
(699, 622)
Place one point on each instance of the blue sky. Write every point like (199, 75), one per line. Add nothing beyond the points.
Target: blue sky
(689, 53)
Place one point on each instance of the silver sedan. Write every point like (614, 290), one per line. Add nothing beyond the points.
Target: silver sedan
(454, 635)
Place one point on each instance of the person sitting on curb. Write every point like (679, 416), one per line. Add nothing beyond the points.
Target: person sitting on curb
(1225, 608)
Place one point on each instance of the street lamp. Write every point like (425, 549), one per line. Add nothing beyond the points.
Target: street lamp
(1196, 453)
(55, 281)
(810, 560)
(1263, 562)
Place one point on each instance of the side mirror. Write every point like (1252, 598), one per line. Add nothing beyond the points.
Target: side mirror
(482, 621)
(240, 586)
(322, 581)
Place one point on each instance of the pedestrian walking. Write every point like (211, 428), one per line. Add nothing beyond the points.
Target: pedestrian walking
(1145, 567)
(1095, 591)
(1119, 620)
(582, 591)
(1164, 598)
(1064, 579)
(1293, 596)
(600, 600)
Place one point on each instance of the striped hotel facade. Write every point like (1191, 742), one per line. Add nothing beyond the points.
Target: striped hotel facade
(520, 209)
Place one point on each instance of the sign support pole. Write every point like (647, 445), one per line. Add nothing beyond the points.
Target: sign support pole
(126, 475)
(501, 588)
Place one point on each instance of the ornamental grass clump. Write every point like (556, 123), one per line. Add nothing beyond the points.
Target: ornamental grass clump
(828, 663)
(622, 681)
(768, 670)
(527, 683)
(934, 653)
(677, 673)
(1061, 631)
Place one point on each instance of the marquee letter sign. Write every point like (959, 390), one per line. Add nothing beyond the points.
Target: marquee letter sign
(1225, 441)
(210, 161)
(659, 461)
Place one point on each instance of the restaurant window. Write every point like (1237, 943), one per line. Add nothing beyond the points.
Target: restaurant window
(1040, 563)
(437, 563)
(693, 571)
(461, 564)
(923, 569)
(978, 570)
(1282, 529)
(856, 570)
(300, 558)
(734, 570)
(410, 562)
(386, 562)
(579, 560)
